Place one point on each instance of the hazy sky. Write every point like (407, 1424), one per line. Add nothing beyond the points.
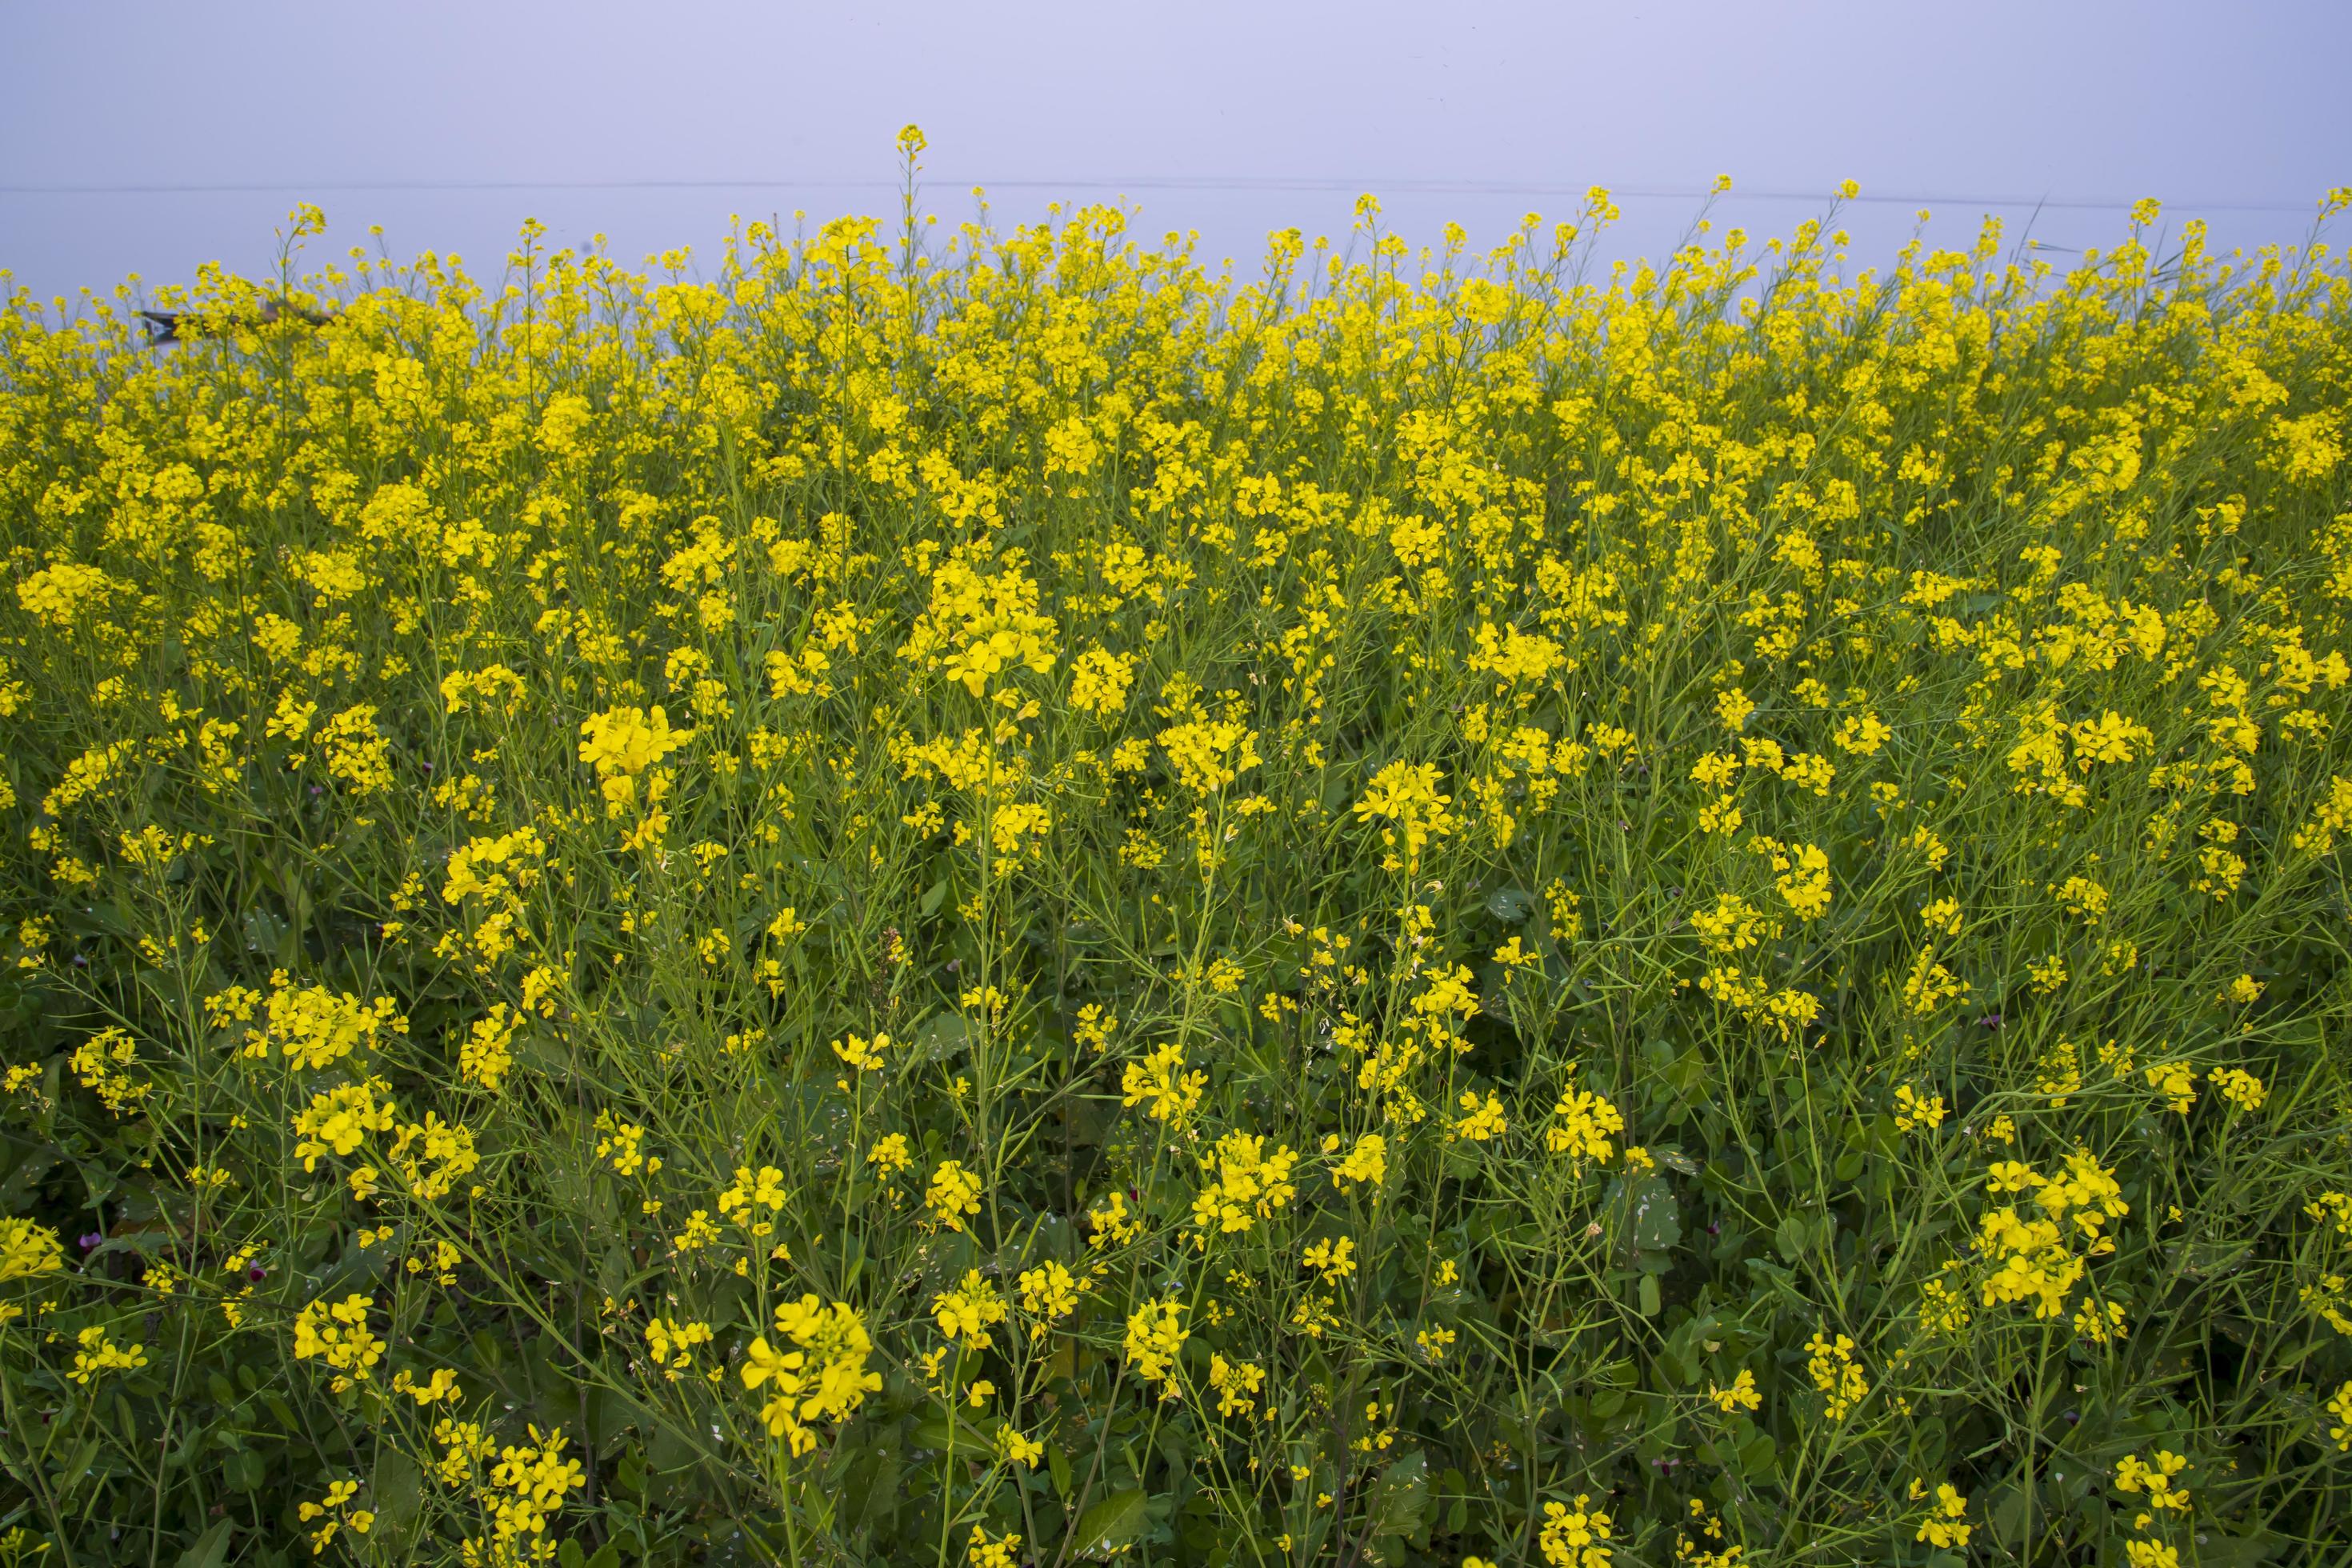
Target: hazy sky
(148, 138)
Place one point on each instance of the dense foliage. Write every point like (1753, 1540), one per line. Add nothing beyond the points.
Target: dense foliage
(985, 900)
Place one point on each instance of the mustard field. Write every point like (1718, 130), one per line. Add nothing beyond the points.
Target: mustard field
(925, 895)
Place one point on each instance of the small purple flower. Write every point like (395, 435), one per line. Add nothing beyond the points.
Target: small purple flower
(255, 1273)
(90, 1242)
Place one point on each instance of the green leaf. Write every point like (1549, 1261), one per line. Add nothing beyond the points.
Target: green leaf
(245, 1470)
(1400, 1496)
(1109, 1524)
(211, 1549)
(1655, 1222)
(931, 1432)
(2007, 1508)
(874, 1491)
(1510, 905)
(97, 1180)
(940, 1036)
(2215, 1549)
(78, 1466)
(398, 1490)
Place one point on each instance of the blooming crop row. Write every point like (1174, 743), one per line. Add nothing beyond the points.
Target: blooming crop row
(984, 899)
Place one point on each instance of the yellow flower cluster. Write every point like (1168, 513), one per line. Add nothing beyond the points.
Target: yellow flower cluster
(1245, 1183)
(1834, 1370)
(1000, 890)
(1574, 1535)
(337, 1332)
(1155, 1337)
(821, 1377)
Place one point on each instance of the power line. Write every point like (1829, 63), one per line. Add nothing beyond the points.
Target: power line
(1138, 182)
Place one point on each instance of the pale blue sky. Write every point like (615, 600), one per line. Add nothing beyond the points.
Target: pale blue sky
(149, 138)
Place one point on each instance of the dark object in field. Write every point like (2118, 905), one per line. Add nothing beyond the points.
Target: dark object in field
(163, 326)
